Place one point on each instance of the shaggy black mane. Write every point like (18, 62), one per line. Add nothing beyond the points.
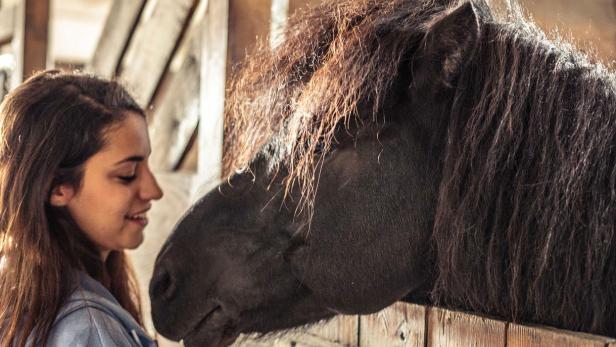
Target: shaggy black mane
(527, 210)
(526, 215)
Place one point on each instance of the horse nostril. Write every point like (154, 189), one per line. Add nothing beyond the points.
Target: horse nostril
(163, 285)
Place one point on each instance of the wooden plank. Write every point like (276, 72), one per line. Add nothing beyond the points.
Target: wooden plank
(341, 330)
(457, 329)
(401, 325)
(17, 44)
(189, 161)
(121, 21)
(176, 105)
(213, 83)
(36, 34)
(526, 336)
(7, 24)
(338, 332)
(175, 120)
(156, 37)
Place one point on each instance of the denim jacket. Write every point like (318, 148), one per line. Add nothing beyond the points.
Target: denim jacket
(93, 317)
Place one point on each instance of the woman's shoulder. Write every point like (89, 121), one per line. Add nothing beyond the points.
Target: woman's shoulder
(88, 324)
(92, 317)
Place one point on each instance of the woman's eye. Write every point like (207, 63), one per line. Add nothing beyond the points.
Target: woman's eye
(127, 179)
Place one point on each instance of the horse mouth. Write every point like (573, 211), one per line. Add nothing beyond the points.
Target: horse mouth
(213, 330)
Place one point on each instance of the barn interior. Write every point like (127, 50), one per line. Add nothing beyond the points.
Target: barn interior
(176, 56)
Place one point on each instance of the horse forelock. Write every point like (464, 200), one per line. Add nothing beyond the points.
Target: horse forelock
(337, 60)
(525, 226)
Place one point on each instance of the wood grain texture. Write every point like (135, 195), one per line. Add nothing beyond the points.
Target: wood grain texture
(156, 37)
(457, 329)
(338, 332)
(117, 32)
(176, 108)
(527, 336)
(341, 330)
(213, 84)
(400, 325)
(35, 36)
(7, 24)
(17, 44)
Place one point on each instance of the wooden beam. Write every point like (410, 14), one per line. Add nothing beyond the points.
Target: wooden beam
(522, 336)
(213, 82)
(340, 331)
(119, 26)
(7, 24)
(452, 328)
(400, 325)
(36, 36)
(156, 38)
(176, 106)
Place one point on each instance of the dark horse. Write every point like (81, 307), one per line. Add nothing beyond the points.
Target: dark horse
(419, 150)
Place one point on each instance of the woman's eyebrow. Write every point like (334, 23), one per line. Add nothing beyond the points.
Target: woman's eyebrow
(134, 158)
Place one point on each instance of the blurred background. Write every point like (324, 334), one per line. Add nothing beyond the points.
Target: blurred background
(175, 57)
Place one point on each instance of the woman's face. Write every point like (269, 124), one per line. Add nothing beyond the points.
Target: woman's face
(117, 188)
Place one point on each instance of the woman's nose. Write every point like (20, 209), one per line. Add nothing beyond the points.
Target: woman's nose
(150, 189)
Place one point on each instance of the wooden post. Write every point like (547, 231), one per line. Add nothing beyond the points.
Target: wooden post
(458, 329)
(119, 26)
(176, 106)
(526, 336)
(17, 44)
(213, 82)
(156, 38)
(36, 34)
(400, 325)
(7, 24)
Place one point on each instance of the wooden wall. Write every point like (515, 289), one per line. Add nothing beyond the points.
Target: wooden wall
(176, 55)
(409, 325)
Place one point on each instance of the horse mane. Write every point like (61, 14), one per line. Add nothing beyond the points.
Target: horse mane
(526, 219)
(336, 59)
(524, 225)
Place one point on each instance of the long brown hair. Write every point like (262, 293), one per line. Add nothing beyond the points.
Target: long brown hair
(49, 126)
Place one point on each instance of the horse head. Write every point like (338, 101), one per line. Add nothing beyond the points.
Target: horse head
(254, 255)
(389, 150)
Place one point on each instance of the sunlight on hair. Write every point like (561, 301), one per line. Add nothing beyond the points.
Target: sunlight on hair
(5, 243)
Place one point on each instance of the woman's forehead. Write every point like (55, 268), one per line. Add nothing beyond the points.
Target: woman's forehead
(129, 138)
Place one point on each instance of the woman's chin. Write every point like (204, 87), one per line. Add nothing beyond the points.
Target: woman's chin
(135, 241)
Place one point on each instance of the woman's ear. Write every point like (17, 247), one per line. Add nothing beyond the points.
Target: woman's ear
(61, 195)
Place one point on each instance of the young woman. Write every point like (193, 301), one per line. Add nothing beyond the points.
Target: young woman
(74, 191)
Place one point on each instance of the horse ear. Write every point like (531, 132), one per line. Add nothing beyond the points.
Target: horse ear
(449, 42)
